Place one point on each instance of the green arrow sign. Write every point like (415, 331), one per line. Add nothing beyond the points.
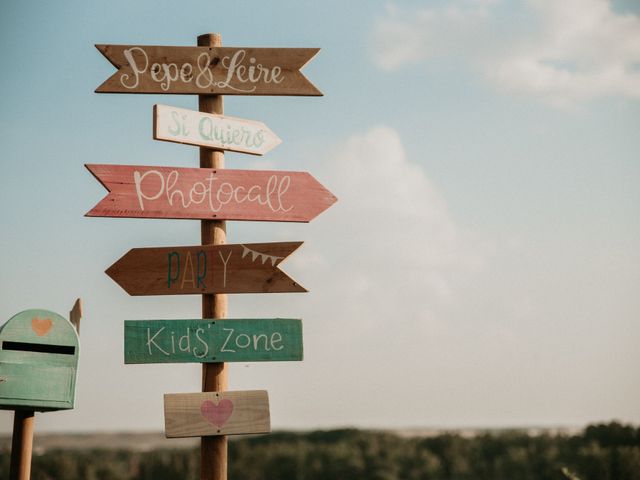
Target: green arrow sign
(202, 341)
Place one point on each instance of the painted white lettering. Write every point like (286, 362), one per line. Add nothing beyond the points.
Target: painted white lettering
(199, 191)
(256, 340)
(221, 191)
(240, 70)
(235, 69)
(246, 344)
(172, 179)
(138, 179)
(151, 340)
(154, 184)
(276, 337)
(224, 346)
(184, 342)
(205, 346)
(204, 79)
(137, 70)
(186, 72)
(283, 186)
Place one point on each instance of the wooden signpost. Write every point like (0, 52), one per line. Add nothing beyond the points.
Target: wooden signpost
(208, 70)
(242, 268)
(207, 193)
(212, 131)
(216, 413)
(200, 341)
(212, 195)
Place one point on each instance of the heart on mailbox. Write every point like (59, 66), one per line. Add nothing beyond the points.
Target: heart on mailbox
(217, 414)
(41, 325)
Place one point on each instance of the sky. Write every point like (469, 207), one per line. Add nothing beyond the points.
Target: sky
(480, 268)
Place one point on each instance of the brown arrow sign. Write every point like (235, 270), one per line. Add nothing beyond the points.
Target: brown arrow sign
(206, 193)
(208, 70)
(242, 268)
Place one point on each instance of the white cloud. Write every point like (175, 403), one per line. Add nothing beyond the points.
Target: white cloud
(565, 52)
(412, 36)
(395, 249)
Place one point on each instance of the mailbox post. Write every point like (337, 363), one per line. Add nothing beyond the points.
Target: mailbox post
(38, 367)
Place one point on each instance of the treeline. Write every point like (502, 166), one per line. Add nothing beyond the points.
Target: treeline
(600, 452)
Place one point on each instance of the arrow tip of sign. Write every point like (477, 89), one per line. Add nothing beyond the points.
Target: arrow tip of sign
(109, 271)
(114, 273)
(102, 48)
(316, 92)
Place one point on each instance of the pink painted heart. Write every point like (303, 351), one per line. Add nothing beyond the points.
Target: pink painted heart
(217, 414)
(41, 325)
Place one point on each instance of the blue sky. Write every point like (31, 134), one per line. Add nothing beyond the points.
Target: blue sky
(480, 267)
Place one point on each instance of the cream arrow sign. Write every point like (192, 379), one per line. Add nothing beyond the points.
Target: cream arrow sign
(213, 131)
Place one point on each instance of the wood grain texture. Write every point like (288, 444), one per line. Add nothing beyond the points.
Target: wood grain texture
(212, 340)
(179, 125)
(22, 445)
(241, 268)
(38, 388)
(216, 413)
(208, 70)
(209, 193)
(213, 449)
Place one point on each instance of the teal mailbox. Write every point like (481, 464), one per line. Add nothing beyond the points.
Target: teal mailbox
(38, 362)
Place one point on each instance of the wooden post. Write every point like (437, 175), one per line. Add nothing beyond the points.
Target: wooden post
(76, 314)
(21, 445)
(213, 449)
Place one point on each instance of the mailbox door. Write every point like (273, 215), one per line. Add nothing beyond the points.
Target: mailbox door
(23, 385)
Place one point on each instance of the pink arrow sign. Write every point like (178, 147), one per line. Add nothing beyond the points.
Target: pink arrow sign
(205, 193)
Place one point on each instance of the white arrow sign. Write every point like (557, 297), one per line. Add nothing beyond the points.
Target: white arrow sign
(213, 131)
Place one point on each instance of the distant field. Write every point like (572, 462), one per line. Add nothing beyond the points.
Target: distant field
(147, 441)
(117, 441)
(597, 452)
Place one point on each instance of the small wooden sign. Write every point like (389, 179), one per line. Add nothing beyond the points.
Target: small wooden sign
(180, 125)
(75, 315)
(208, 70)
(241, 268)
(209, 194)
(214, 340)
(216, 413)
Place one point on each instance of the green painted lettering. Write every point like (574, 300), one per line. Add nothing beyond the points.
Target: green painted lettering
(170, 279)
